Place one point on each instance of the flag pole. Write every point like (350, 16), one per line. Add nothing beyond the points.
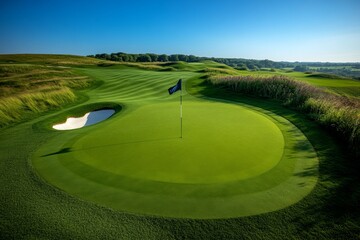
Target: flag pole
(173, 89)
(181, 112)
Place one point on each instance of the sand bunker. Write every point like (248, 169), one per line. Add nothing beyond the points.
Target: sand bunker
(88, 119)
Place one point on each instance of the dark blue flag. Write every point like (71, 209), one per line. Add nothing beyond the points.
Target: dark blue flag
(175, 88)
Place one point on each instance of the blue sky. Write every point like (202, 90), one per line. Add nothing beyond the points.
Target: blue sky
(277, 30)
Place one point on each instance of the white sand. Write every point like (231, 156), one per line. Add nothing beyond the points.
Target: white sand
(72, 123)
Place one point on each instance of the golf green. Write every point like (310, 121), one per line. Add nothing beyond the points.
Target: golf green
(209, 152)
(233, 159)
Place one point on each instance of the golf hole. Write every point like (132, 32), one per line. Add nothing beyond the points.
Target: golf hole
(88, 119)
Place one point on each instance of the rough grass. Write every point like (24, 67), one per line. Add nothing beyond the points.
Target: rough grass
(213, 70)
(204, 66)
(49, 59)
(21, 106)
(324, 75)
(17, 78)
(335, 84)
(338, 113)
(27, 89)
(149, 66)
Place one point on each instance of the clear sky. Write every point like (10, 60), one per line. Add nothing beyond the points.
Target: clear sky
(301, 30)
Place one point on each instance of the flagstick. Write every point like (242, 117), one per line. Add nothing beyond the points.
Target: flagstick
(181, 113)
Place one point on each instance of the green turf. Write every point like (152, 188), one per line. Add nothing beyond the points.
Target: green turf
(234, 157)
(153, 150)
(32, 209)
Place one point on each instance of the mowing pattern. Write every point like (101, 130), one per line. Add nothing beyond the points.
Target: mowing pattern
(130, 85)
(234, 160)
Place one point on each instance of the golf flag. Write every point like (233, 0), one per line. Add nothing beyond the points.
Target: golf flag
(175, 88)
(171, 91)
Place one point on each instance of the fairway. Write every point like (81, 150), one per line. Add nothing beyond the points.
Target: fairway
(233, 160)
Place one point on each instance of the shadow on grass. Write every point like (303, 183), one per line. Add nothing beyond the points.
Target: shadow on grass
(308, 172)
(68, 149)
(61, 151)
(302, 146)
(129, 142)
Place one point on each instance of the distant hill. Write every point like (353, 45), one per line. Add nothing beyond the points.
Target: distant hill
(343, 69)
(52, 59)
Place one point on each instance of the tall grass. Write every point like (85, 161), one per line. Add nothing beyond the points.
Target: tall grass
(339, 114)
(15, 78)
(49, 59)
(14, 109)
(27, 89)
(152, 66)
(217, 70)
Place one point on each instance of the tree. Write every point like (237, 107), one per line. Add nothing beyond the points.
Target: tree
(131, 58)
(266, 63)
(251, 66)
(107, 56)
(125, 57)
(242, 66)
(163, 58)
(301, 68)
(192, 58)
(143, 58)
(154, 57)
(174, 58)
(183, 57)
(114, 57)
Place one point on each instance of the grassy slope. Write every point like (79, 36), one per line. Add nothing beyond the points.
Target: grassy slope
(339, 85)
(32, 209)
(49, 59)
(161, 175)
(32, 84)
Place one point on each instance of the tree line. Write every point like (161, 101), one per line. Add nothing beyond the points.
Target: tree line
(237, 63)
(147, 57)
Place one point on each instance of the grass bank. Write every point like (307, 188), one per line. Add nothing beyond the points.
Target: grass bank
(339, 114)
(27, 89)
(32, 209)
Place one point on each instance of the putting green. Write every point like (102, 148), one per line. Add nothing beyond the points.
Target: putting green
(233, 160)
(244, 145)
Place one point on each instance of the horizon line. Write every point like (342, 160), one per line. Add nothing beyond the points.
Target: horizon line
(285, 61)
